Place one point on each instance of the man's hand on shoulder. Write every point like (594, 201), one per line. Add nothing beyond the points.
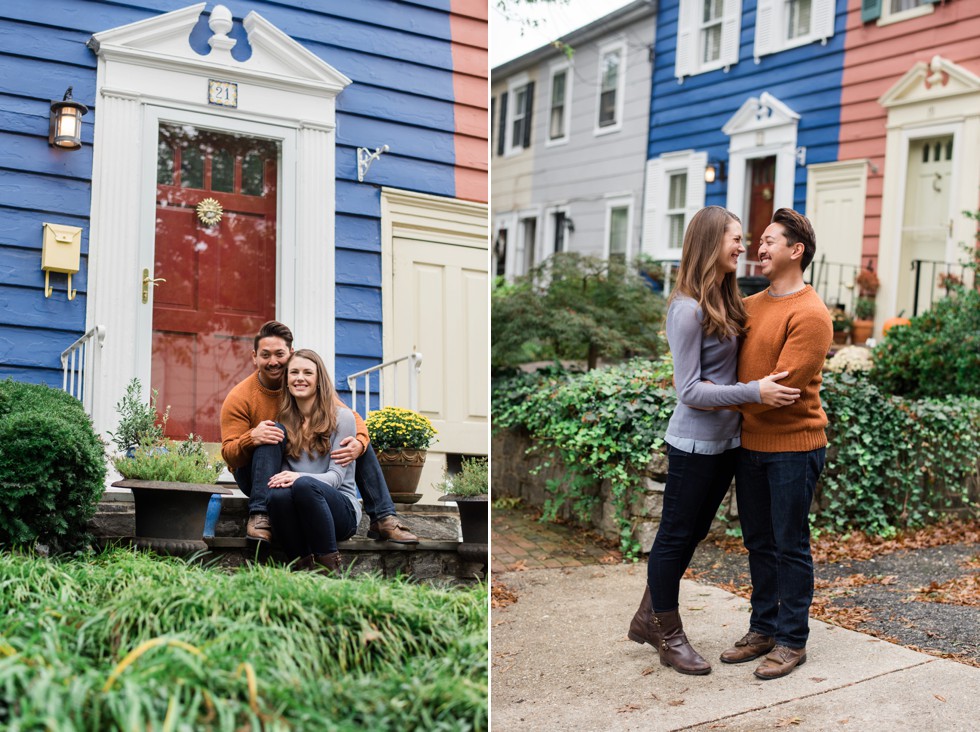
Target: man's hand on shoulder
(350, 449)
(266, 433)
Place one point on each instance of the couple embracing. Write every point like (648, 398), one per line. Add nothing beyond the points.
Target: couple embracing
(747, 374)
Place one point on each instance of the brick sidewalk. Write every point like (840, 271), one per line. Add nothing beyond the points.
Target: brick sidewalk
(519, 541)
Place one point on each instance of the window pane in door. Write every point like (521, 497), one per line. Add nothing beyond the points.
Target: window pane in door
(618, 232)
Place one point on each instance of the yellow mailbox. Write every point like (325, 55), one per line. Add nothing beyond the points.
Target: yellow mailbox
(61, 250)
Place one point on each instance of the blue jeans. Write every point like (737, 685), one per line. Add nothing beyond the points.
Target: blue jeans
(696, 486)
(310, 517)
(774, 491)
(253, 480)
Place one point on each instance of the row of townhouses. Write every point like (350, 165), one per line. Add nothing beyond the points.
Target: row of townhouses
(219, 164)
(863, 114)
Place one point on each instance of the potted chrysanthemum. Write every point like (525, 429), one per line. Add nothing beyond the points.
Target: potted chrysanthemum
(400, 438)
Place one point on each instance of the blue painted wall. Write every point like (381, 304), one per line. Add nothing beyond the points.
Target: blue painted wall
(397, 52)
(691, 115)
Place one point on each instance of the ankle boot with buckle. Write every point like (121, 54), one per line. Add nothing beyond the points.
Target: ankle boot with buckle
(665, 632)
(328, 564)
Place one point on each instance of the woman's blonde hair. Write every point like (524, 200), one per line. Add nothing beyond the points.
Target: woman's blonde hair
(721, 305)
(313, 435)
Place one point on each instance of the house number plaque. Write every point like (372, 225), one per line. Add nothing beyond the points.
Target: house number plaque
(222, 93)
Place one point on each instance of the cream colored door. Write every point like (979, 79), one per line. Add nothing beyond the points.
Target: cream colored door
(926, 223)
(440, 292)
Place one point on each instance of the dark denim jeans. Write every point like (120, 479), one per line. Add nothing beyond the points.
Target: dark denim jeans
(253, 480)
(696, 485)
(774, 491)
(310, 517)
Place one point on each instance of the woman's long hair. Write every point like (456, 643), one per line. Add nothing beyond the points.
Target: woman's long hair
(724, 314)
(313, 435)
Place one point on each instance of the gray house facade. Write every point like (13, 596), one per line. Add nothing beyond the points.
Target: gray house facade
(569, 135)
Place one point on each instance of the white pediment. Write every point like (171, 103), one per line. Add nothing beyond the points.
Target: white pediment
(760, 113)
(940, 78)
(164, 42)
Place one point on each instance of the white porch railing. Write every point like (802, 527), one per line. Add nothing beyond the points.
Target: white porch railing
(80, 363)
(412, 361)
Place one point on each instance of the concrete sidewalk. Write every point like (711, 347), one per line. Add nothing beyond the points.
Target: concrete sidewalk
(560, 660)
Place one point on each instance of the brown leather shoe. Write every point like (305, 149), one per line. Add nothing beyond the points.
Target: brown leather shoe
(303, 564)
(390, 529)
(665, 632)
(750, 647)
(780, 661)
(330, 563)
(259, 527)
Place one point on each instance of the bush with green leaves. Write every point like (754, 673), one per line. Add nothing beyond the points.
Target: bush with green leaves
(137, 419)
(575, 307)
(606, 424)
(52, 466)
(472, 480)
(170, 461)
(938, 354)
(894, 463)
(128, 641)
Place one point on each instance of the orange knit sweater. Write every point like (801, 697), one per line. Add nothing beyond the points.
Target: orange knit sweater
(250, 403)
(790, 333)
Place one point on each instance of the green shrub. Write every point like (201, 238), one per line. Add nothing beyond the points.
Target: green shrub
(938, 354)
(174, 462)
(52, 466)
(137, 419)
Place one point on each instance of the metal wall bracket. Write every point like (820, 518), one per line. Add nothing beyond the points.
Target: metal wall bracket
(364, 159)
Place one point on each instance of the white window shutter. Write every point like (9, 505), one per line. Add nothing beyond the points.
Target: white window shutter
(823, 18)
(685, 57)
(653, 207)
(731, 26)
(695, 185)
(765, 28)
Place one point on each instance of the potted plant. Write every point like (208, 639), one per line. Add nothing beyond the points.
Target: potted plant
(400, 438)
(863, 325)
(172, 482)
(842, 324)
(867, 282)
(469, 488)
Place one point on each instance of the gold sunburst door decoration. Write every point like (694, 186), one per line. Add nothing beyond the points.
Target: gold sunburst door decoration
(209, 211)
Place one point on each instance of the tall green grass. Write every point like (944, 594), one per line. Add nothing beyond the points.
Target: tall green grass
(128, 641)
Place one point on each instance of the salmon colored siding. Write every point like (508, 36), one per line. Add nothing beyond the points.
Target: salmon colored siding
(469, 29)
(875, 58)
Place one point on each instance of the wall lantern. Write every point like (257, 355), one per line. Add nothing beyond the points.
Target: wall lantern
(714, 171)
(66, 123)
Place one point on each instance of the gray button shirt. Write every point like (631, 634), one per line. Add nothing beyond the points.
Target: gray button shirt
(698, 359)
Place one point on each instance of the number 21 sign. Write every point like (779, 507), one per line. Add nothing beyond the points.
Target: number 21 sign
(222, 93)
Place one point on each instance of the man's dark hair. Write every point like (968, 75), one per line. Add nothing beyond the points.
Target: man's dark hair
(797, 228)
(273, 329)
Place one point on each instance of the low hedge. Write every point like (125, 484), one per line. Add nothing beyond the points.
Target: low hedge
(52, 466)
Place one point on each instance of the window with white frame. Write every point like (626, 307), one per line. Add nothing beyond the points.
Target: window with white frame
(528, 229)
(516, 108)
(618, 227)
(612, 77)
(707, 36)
(674, 192)
(893, 11)
(783, 24)
(560, 96)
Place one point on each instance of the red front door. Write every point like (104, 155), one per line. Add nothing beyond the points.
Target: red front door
(216, 249)
(762, 172)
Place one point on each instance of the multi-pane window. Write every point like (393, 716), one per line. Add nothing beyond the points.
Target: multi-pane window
(798, 14)
(711, 16)
(618, 232)
(520, 119)
(897, 6)
(557, 126)
(609, 87)
(676, 205)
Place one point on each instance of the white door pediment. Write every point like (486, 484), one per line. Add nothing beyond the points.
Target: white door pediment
(759, 113)
(938, 79)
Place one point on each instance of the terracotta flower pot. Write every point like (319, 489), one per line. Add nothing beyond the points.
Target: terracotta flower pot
(402, 470)
(861, 331)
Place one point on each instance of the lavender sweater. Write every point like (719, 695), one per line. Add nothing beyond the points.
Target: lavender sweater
(698, 359)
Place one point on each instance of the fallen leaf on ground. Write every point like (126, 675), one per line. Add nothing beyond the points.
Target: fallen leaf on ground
(940, 698)
(675, 702)
(519, 566)
(647, 671)
(817, 679)
(957, 591)
(628, 708)
(788, 722)
(501, 595)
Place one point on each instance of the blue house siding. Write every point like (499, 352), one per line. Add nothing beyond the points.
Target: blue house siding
(690, 115)
(399, 57)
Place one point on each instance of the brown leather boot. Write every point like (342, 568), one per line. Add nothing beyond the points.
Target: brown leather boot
(259, 527)
(329, 564)
(751, 646)
(674, 648)
(780, 661)
(303, 564)
(391, 529)
(639, 631)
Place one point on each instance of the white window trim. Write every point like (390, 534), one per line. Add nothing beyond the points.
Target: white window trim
(556, 69)
(519, 250)
(887, 17)
(771, 31)
(658, 172)
(687, 56)
(546, 248)
(616, 45)
(506, 222)
(512, 148)
(618, 201)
